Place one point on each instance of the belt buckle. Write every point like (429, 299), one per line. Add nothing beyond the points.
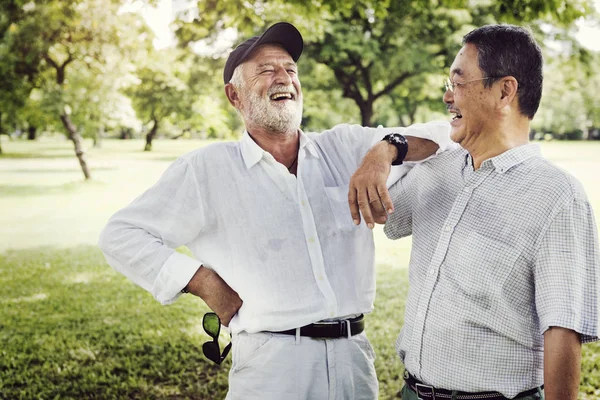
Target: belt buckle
(418, 391)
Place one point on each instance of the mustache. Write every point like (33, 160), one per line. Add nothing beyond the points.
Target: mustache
(452, 109)
(282, 88)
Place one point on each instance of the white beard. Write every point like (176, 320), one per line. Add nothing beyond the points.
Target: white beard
(276, 117)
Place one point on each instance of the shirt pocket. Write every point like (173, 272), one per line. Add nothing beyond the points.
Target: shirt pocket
(483, 265)
(338, 202)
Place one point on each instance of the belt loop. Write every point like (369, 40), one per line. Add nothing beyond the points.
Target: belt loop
(348, 328)
(297, 335)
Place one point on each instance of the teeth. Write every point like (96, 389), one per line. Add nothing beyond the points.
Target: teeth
(277, 96)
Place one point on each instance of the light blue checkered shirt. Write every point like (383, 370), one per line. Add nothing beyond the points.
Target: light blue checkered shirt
(499, 255)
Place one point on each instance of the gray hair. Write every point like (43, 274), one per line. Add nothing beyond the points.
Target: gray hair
(237, 79)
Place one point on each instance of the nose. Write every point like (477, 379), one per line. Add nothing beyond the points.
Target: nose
(448, 97)
(282, 76)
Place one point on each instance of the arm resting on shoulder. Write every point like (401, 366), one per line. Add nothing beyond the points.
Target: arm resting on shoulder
(562, 363)
(368, 193)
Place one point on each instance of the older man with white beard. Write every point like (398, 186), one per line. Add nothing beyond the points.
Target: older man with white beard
(275, 252)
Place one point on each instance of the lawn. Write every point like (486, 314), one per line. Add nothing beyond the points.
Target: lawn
(71, 327)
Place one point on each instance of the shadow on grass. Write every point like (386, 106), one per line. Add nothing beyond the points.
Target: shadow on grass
(36, 156)
(71, 327)
(38, 190)
(165, 158)
(56, 170)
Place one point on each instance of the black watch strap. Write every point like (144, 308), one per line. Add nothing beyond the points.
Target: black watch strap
(401, 145)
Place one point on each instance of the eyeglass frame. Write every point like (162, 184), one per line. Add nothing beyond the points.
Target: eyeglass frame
(449, 85)
(214, 343)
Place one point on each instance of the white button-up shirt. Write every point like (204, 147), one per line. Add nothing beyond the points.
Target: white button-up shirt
(286, 244)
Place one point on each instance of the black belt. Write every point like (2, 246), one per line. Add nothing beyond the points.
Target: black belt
(331, 330)
(427, 392)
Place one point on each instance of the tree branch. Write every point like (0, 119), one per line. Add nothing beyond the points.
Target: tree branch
(392, 85)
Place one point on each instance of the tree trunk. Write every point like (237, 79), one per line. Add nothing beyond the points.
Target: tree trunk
(366, 113)
(75, 137)
(98, 138)
(1, 130)
(150, 136)
(31, 132)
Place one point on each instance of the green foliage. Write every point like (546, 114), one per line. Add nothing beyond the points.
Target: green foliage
(570, 101)
(370, 62)
(68, 51)
(378, 49)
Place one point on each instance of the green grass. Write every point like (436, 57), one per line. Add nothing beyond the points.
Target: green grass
(71, 327)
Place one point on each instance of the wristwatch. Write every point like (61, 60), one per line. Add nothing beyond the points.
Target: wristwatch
(401, 144)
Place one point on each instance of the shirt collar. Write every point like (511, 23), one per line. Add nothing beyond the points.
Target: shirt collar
(252, 153)
(505, 161)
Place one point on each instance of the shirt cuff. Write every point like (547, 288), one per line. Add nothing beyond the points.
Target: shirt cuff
(174, 275)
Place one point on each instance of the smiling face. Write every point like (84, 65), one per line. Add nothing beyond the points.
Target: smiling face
(269, 91)
(470, 102)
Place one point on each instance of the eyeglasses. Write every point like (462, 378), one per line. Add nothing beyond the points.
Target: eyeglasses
(450, 86)
(212, 326)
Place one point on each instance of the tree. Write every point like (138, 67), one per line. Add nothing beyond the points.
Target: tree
(160, 92)
(52, 38)
(570, 101)
(373, 47)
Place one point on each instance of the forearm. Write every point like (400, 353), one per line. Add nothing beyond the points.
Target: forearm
(419, 149)
(385, 153)
(562, 364)
(145, 259)
(215, 292)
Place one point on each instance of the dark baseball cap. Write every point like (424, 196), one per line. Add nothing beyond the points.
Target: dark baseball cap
(281, 33)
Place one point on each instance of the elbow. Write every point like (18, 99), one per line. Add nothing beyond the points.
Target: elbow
(106, 239)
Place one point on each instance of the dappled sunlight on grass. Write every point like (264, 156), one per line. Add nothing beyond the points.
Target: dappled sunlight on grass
(64, 345)
(34, 297)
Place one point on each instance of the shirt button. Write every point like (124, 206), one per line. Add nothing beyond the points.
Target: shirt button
(302, 203)
(320, 277)
(331, 314)
(467, 189)
(419, 315)
(431, 271)
(448, 228)
(311, 240)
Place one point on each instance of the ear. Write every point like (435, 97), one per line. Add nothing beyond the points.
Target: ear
(508, 90)
(232, 95)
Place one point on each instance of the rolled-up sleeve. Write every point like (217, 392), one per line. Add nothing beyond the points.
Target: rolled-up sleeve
(567, 272)
(438, 132)
(139, 241)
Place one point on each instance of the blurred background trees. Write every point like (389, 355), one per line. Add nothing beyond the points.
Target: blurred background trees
(89, 69)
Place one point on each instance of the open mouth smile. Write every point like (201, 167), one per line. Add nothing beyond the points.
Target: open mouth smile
(282, 96)
(457, 115)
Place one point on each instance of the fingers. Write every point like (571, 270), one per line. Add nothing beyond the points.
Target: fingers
(362, 199)
(354, 209)
(376, 206)
(372, 201)
(386, 200)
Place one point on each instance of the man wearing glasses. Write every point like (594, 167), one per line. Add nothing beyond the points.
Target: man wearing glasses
(276, 255)
(505, 266)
